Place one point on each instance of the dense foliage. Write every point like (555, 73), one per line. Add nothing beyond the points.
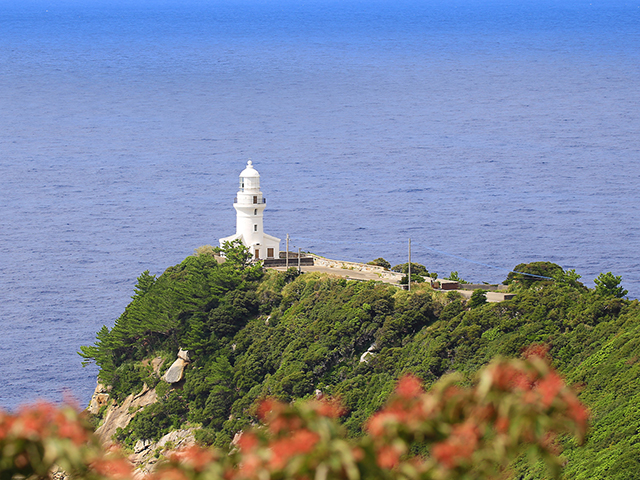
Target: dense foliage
(515, 406)
(253, 335)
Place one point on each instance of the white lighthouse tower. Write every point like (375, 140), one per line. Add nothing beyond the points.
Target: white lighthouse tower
(250, 205)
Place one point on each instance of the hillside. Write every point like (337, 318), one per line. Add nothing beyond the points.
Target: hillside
(252, 334)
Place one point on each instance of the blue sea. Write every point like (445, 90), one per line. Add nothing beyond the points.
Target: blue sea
(490, 133)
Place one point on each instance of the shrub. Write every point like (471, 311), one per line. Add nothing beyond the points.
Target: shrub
(380, 262)
(478, 297)
(609, 284)
(416, 269)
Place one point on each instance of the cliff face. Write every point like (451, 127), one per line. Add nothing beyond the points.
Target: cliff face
(118, 416)
(146, 453)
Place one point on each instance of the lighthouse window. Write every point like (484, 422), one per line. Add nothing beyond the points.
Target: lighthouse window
(255, 228)
(255, 211)
(255, 199)
(242, 184)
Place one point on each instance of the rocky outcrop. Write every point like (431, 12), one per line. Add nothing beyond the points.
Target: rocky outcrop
(120, 416)
(146, 453)
(99, 399)
(368, 355)
(176, 370)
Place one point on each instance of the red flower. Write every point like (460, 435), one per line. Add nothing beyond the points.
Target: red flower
(409, 387)
(301, 441)
(265, 407)
(171, 473)
(507, 377)
(74, 431)
(377, 424)
(577, 411)
(329, 408)
(502, 424)
(197, 457)
(458, 447)
(549, 387)
(247, 441)
(539, 350)
(388, 457)
(113, 468)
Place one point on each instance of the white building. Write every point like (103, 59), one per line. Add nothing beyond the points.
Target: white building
(250, 205)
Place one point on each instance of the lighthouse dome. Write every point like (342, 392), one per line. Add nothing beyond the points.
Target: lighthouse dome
(249, 171)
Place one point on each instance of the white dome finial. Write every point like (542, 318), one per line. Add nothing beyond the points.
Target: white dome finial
(249, 171)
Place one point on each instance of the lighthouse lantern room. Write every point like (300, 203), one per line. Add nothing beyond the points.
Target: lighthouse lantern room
(250, 204)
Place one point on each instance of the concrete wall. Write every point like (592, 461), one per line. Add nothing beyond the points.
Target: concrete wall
(360, 267)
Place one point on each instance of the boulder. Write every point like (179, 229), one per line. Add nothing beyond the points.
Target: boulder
(184, 355)
(147, 454)
(141, 446)
(368, 355)
(175, 372)
(178, 438)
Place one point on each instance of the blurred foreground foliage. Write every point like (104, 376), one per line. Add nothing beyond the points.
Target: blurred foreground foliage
(514, 407)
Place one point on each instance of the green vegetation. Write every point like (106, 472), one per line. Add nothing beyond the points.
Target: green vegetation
(455, 277)
(609, 284)
(478, 298)
(418, 273)
(526, 275)
(254, 334)
(380, 262)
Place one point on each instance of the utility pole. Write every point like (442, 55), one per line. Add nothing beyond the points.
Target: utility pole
(287, 258)
(299, 269)
(409, 276)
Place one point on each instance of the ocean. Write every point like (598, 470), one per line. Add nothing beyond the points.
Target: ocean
(490, 133)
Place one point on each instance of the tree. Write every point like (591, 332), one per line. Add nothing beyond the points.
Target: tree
(236, 253)
(478, 297)
(609, 284)
(380, 262)
(415, 278)
(455, 277)
(569, 277)
(526, 274)
(145, 282)
(416, 269)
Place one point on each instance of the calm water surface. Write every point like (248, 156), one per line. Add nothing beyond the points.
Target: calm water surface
(489, 133)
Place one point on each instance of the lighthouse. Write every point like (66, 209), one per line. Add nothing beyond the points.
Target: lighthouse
(250, 204)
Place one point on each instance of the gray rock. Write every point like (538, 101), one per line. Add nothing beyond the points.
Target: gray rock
(120, 416)
(99, 398)
(156, 363)
(175, 372)
(141, 446)
(368, 355)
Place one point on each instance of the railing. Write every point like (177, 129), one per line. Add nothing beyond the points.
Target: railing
(255, 201)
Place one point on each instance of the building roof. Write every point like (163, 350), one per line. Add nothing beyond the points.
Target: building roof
(249, 171)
